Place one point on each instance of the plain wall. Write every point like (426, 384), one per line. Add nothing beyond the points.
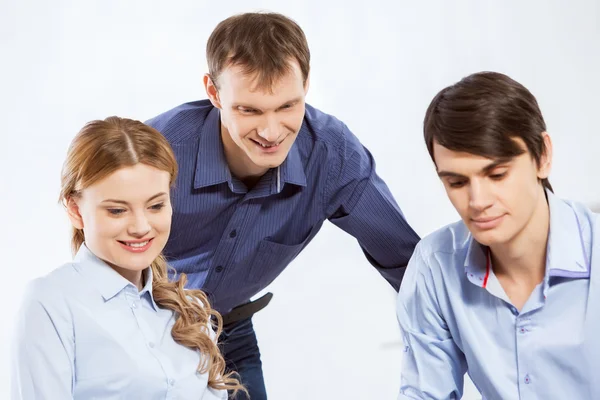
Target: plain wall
(330, 331)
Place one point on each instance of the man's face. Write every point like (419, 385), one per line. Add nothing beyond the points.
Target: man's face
(496, 199)
(260, 125)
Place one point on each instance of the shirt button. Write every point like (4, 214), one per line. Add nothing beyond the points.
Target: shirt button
(219, 268)
(514, 310)
(134, 305)
(527, 379)
(151, 345)
(233, 234)
(171, 382)
(522, 330)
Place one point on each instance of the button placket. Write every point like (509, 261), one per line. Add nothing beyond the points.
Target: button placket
(224, 253)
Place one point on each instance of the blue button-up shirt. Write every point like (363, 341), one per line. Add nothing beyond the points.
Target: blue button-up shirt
(85, 332)
(232, 242)
(455, 317)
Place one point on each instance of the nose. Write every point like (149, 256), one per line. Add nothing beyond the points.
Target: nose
(480, 196)
(271, 130)
(140, 226)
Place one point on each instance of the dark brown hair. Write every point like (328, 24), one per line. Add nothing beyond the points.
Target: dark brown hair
(261, 43)
(482, 114)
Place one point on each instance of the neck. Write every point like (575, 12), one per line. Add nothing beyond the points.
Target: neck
(239, 164)
(524, 257)
(135, 277)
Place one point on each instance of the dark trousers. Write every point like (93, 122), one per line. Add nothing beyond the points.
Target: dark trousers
(240, 350)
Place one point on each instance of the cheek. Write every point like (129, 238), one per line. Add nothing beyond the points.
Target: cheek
(239, 126)
(518, 193)
(162, 222)
(100, 226)
(294, 120)
(460, 200)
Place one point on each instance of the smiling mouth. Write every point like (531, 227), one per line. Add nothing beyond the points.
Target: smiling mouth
(135, 244)
(487, 223)
(484, 220)
(266, 146)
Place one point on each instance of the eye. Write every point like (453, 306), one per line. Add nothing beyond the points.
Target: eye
(286, 107)
(498, 177)
(457, 184)
(245, 110)
(115, 211)
(158, 206)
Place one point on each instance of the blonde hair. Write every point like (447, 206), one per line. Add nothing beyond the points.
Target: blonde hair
(101, 148)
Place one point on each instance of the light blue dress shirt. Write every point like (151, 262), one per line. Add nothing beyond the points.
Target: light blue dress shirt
(85, 332)
(456, 318)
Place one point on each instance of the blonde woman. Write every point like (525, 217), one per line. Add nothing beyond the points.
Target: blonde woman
(110, 324)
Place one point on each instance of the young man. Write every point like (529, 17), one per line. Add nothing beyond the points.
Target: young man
(510, 293)
(260, 171)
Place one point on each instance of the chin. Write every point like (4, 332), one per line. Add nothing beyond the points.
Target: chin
(136, 262)
(489, 238)
(262, 163)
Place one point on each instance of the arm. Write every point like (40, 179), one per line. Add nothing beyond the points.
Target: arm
(359, 202)
(43, 351)
(433, 367)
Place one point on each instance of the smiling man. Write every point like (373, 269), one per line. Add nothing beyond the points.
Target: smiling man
(510, 293)
(260, 171)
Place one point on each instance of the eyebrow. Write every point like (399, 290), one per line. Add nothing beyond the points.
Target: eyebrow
(292, 101)
(126, 203)
(484, 170)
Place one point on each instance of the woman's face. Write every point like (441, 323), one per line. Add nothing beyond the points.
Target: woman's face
(125, 217)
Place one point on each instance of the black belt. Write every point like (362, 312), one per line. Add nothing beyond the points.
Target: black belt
(246, 310)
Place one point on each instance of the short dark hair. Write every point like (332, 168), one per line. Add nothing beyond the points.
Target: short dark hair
(261, 43)
(482, 114)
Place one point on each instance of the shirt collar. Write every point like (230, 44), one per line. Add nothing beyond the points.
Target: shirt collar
(147, 289)
(211, 164)
(566, 255)
(292, 169)
(108, 281)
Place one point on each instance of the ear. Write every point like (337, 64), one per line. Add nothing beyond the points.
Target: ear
(546, 158)
(74, 214)
(211, 91)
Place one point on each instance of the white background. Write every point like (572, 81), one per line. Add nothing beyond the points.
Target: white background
(330, 331)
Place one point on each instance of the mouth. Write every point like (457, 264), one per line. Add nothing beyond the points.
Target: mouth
(136, 246)
(267, 147)
(488, 222)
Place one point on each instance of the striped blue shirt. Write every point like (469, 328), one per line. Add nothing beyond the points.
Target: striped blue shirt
(85, 332)
(232, 242)
(456, 318)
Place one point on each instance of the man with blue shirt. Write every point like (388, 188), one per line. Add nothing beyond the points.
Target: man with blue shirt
(260, 171)
(510, 293)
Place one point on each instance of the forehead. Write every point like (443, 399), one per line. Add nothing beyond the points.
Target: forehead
(236, 85)
(467, 163)
(139, 182)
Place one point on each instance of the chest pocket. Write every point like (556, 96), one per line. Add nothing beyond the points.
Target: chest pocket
(271, 258)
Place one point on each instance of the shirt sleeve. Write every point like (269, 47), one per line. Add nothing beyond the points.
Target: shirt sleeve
(433, 367)
(43, 351)
(359, 202)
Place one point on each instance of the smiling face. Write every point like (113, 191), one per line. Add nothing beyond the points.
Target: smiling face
(258, 125)
(496, 199)
(125, 217)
